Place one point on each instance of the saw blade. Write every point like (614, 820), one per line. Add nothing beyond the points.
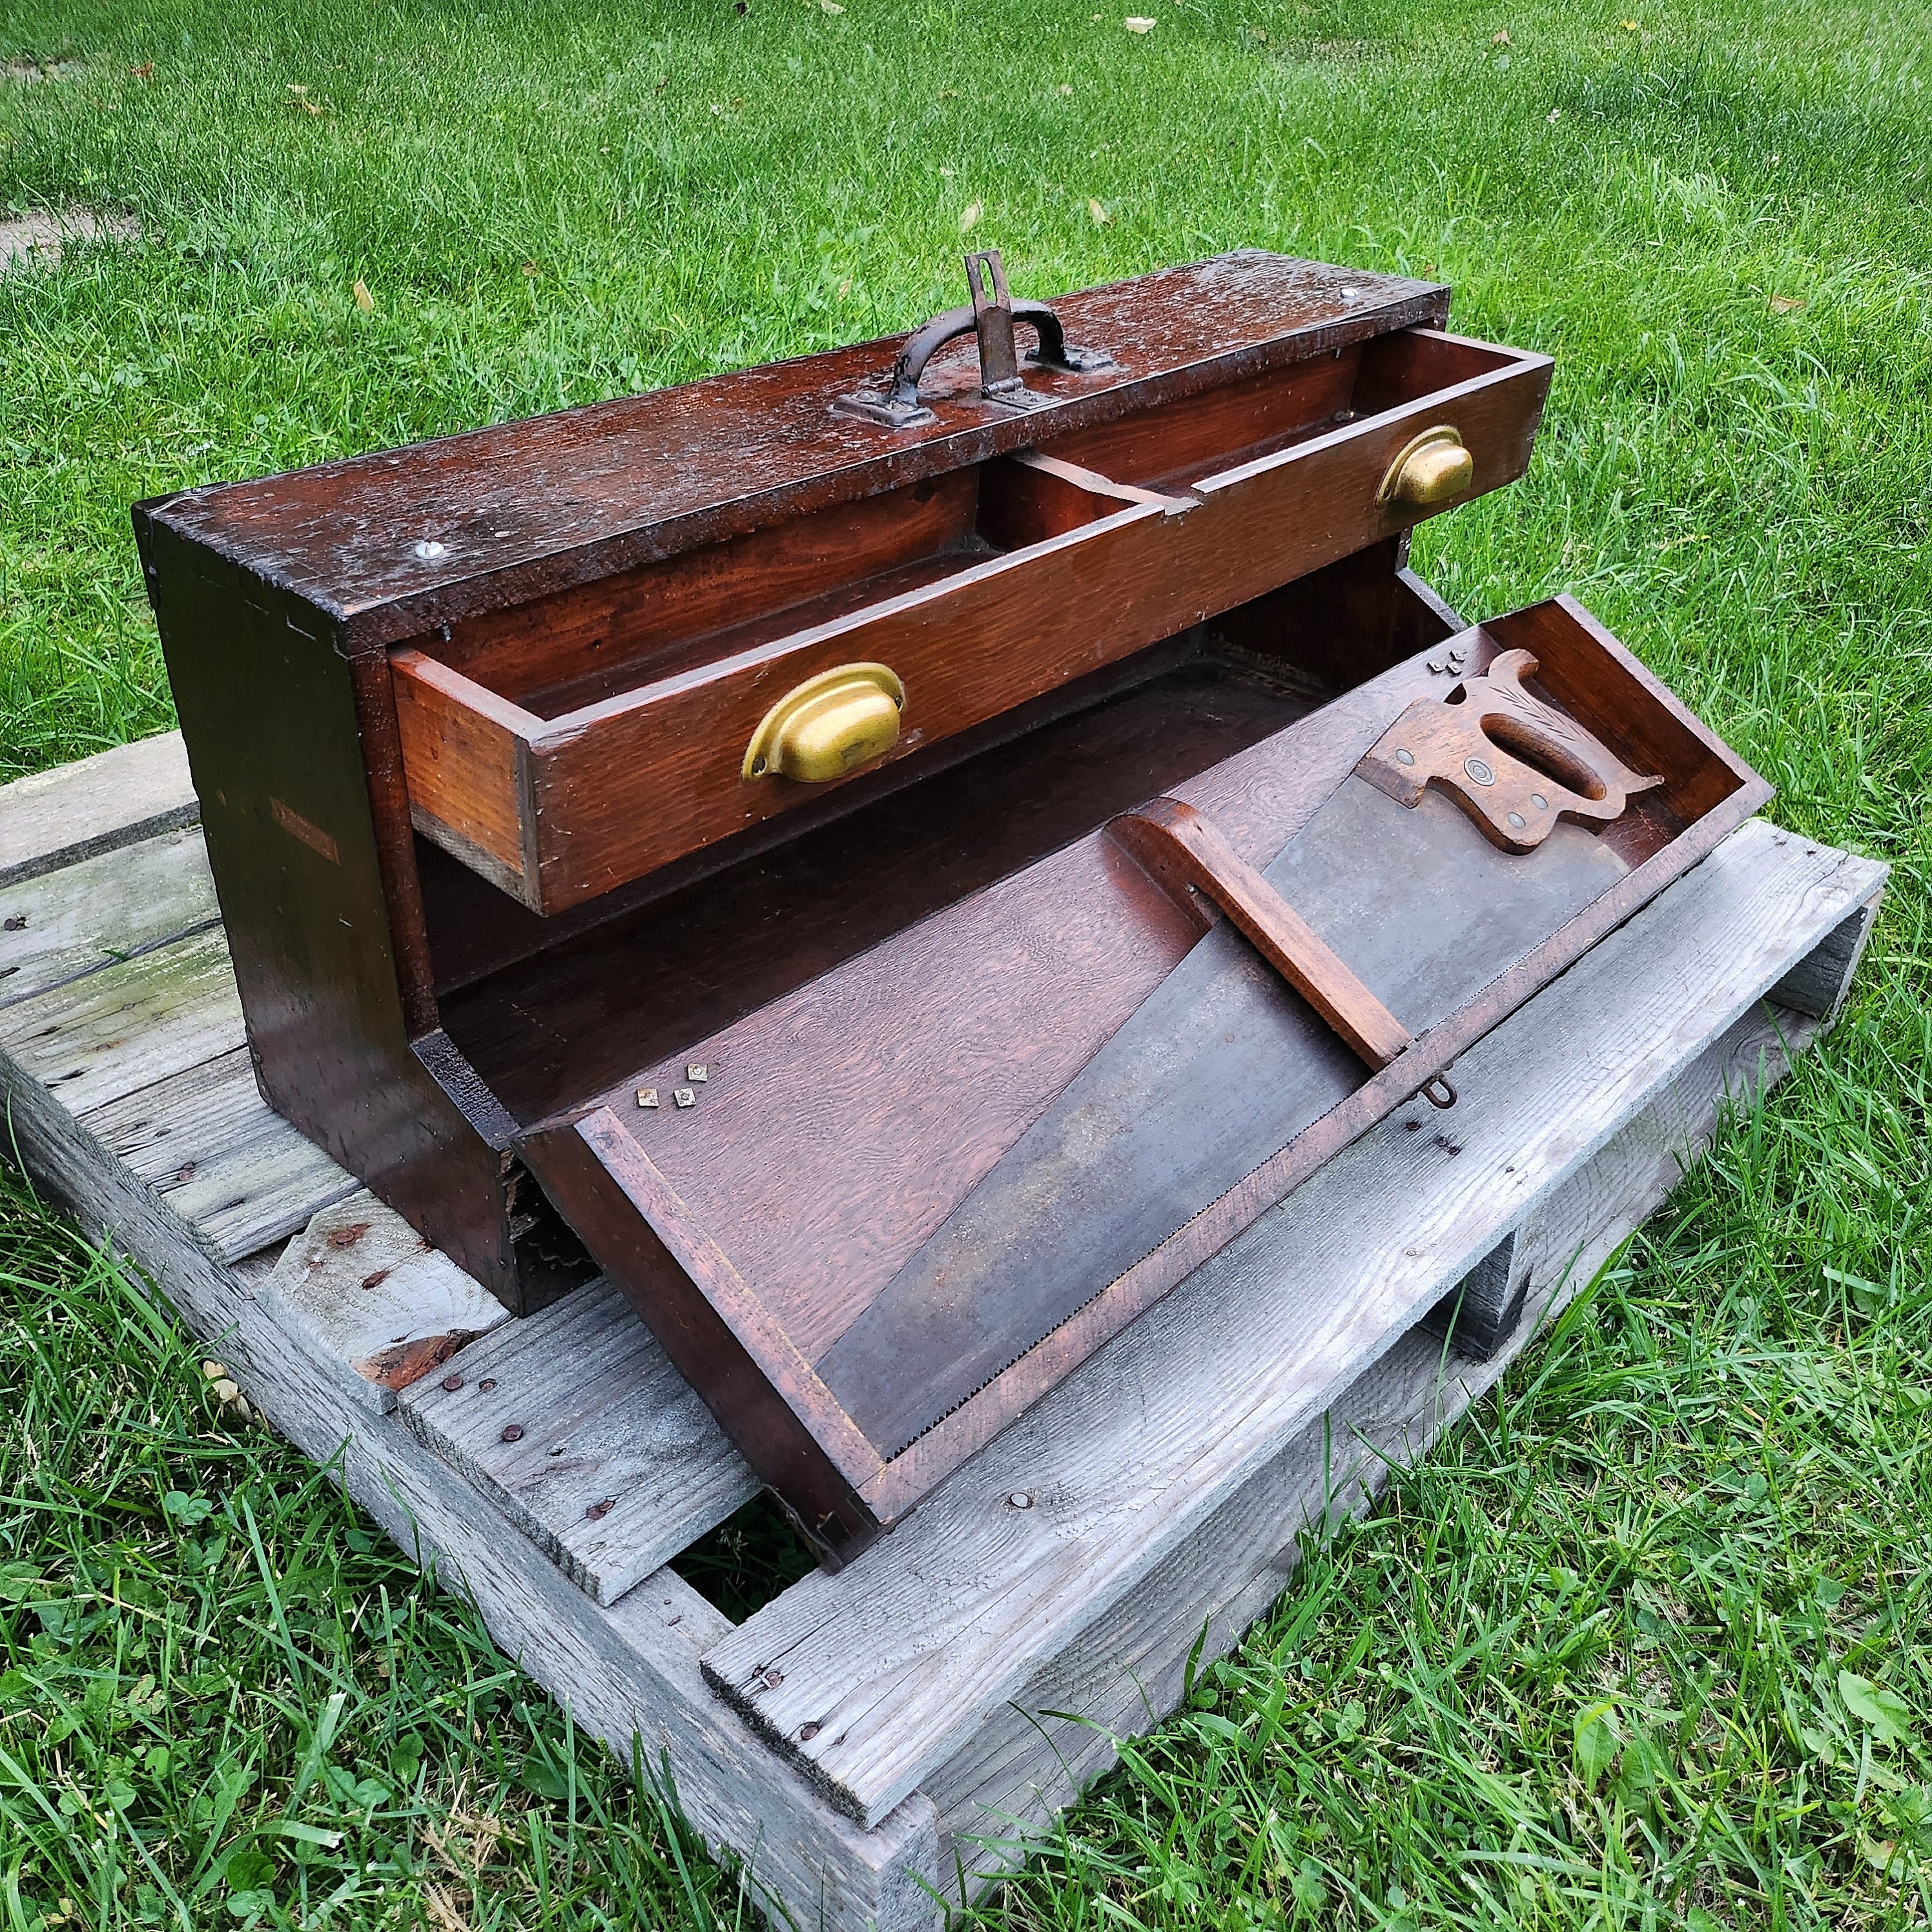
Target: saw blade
(1223, 1065)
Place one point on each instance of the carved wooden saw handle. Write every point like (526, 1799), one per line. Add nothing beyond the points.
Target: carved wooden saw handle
(1515, 764)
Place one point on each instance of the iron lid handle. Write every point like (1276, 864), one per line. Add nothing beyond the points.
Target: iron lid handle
(992, 314)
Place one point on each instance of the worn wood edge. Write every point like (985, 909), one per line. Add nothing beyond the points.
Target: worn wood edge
(1819, 983)
(880, 1610)
(464, 751)
(371, 1302)
(1032, 1758)
(53, 819)
(629, 1672)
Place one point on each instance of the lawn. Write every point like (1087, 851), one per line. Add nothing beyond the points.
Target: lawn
(1649, 1644)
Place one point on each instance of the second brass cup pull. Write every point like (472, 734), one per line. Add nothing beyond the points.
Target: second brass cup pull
(829, 725)
(1432, 468)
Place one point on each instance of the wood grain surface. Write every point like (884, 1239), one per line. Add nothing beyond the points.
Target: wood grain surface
(634, 1671)
(56, 927)
(1187, 853)
(615, 1466)
(638, 778)
(999, 1794)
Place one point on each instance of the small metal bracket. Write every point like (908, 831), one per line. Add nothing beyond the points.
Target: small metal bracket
(991, 315)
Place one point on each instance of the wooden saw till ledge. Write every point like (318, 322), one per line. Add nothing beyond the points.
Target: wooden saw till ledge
(897, 856)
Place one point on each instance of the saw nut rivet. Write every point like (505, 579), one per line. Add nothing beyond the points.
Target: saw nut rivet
(1516, 819)
(1479, 771)
(647, 1096)
(1537, 799)
(1405, 757)
(697, 1073)
(684, 1096)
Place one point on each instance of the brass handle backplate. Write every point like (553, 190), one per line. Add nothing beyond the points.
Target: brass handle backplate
(829, 725)
(1430, 469)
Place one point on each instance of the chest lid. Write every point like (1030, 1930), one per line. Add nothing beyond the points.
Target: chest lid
(391, 545)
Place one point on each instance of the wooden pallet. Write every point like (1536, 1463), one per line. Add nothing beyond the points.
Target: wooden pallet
(868, 1742)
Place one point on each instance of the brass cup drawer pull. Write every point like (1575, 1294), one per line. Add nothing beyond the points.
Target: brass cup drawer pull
(829, 725)
(1432, 468)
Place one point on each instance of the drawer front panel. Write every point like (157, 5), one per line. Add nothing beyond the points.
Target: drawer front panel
(1267, 522)
(625, 787)
(618, 789)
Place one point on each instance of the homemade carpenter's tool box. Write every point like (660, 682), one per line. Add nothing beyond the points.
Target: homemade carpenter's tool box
(873, 1743)
(897, 857)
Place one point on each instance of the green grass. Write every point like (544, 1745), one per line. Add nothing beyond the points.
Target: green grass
(1646, 1645)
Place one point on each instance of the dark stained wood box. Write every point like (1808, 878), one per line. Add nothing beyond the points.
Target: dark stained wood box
(536, 934)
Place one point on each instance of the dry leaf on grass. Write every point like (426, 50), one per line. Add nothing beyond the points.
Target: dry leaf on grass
(1784, 304)
(969, 216)
(1139, 23)
(1500, 38)
(442, 1910)
(1102, 219)
(364, 300)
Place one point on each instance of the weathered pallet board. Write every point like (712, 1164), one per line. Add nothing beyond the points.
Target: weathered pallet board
(99, 1038)
(237, 1174)
(871, 1678)
(1647, 1063)
(53, 819)
(375, 1306)
(59, 926)
(615, 1466)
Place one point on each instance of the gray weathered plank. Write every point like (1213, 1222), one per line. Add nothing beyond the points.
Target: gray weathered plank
(372, 1303)
(224, 1159)
(102, 1037)
(870, 1679)
(57, 926)
(629, 1671)
(55, 819)
(1032, 1756)
(618, 1466)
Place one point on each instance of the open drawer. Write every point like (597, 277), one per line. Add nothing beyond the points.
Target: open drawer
(879, 1204)
(567, 746)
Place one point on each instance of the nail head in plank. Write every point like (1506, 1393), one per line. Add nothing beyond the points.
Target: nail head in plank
(52, 820)
(891, 1663)
(617, 1466)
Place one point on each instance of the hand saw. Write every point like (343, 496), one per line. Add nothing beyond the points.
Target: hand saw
(1458, 843)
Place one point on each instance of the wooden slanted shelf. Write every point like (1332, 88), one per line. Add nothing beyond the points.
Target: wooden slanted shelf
(848, 847)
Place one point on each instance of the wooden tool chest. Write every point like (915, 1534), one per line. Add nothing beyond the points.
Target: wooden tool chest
(897, 856)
